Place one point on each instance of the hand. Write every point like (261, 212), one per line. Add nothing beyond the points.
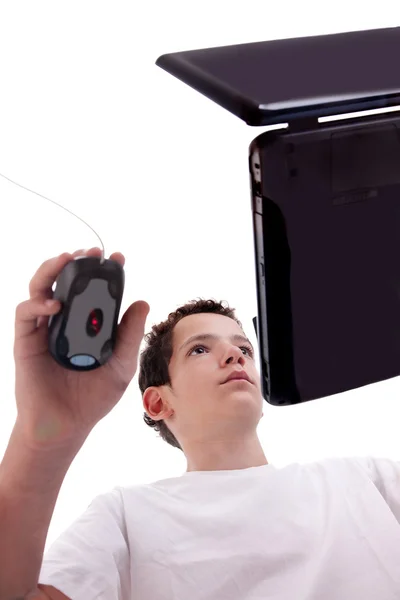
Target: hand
(57, 406)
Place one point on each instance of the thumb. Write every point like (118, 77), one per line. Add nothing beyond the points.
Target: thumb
(129, 337)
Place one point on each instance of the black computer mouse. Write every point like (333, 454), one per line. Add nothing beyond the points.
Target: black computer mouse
(82, 334)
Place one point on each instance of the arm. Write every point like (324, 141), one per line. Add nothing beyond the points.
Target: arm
(56, 412)
(30, 481)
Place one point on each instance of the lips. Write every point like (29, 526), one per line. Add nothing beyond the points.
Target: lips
(238, 375)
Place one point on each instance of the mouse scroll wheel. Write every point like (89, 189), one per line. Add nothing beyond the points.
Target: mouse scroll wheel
(94, 322)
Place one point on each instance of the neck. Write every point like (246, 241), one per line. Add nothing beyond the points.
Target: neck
(224, 454)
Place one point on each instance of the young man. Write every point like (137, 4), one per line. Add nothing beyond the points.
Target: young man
(232, 526)
(209, 394)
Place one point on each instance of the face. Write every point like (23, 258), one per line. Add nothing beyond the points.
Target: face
(199, 406)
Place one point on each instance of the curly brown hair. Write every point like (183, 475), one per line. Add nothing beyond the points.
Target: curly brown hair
(156, 356)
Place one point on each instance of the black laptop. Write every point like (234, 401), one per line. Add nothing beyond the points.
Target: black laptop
(326, 202)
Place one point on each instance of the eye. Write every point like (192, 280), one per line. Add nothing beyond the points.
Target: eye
(248, 348)
(195, 348)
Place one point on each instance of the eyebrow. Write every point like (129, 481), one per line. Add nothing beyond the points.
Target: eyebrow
(202, 337)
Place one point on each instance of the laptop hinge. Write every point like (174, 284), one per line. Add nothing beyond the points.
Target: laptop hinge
(304, 124)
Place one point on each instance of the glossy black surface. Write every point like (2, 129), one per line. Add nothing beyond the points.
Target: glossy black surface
(277, 81)
(327, 213)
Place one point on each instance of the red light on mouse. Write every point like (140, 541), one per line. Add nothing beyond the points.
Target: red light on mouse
(94, 322)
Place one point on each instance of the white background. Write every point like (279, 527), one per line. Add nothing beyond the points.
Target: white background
(87, 119)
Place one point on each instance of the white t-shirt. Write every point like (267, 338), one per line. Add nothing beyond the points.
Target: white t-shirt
(328, 530)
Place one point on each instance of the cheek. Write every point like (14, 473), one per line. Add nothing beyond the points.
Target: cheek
(199, 379)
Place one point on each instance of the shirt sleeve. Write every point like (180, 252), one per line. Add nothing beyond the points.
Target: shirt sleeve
(385, 474)
(90, 559)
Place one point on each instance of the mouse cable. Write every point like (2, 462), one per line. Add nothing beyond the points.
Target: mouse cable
(33, 192)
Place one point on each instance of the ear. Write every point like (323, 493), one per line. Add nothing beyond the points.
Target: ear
(154, 405)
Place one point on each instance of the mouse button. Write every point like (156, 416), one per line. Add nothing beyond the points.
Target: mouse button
(114, 288)
(82, 360)
(62, 346)
(80, 284)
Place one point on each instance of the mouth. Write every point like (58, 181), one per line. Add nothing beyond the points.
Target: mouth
(238, 377)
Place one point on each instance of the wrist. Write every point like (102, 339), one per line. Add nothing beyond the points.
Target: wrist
(26, 467)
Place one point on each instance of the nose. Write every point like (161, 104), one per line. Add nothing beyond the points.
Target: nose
(233, 354)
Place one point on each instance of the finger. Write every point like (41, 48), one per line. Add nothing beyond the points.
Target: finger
(118, 257)
(42, 281)
(27, 314)
(44, 278)
(129, 337)
(96, 251)
(80, 252)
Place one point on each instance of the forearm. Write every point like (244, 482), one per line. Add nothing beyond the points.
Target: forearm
(30, 482)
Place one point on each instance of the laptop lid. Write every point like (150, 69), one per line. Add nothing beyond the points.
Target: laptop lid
(276, 81)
